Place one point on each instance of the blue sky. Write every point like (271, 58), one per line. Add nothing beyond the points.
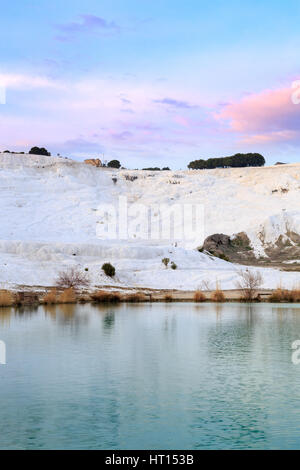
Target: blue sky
(161, 82)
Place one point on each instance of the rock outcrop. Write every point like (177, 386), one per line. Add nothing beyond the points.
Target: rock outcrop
(236, 249)
(217, 244)
(93, 161)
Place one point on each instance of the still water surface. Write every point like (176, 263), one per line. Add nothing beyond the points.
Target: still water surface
(160, 376)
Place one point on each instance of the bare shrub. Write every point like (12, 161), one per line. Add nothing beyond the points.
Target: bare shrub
(72, 278)
(106, 297)
(68, 296)
(6, 298)
(248, 283)
(168, 298)
(50, 298)
(199, 296)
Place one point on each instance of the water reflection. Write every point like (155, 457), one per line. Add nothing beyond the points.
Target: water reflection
(26, 310)
(5, 315)
(218, 310)
(109, 320)
(50, 310)
(180, 375)
(68, 310)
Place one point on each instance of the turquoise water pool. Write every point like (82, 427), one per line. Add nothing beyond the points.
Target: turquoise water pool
(150, 376)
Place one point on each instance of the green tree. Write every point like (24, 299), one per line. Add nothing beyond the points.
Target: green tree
(238, 160)
(39, 151)
(109, 269)
(114, 164)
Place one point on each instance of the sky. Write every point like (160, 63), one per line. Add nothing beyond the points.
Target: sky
(151, 83)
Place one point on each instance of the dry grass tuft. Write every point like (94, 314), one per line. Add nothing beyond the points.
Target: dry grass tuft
(279, 295)
(199, 296)
(68, 296)
(284, 295)
(6, 298)
(105, 297)
(50, 298)
(295, 295)
(218, 296)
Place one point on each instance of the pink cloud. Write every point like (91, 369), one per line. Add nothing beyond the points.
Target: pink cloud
(263, 117)
(279, 136)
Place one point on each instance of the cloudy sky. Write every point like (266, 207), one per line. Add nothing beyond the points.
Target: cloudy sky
(159, 82)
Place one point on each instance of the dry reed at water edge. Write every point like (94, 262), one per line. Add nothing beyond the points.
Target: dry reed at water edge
(105, 297)
(50, 297)
(6, 298)
(285, 295)
(199, 296)
(134, 298)
(218, 294)
(68, 296)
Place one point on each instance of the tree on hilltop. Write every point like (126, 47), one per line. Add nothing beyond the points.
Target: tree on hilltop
(39, 151)
(114, 164)
(239, 160)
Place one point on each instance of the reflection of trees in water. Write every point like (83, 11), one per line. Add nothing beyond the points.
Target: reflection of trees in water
(227, 336)
(169, 324)
(107, 314)
(282, 311)
(28, 310)
(218, 310)
(243, 350)
(5, 315)
(50, 310)
(231, 388)
(286, 325)
(247, 367)
(67, 310)
(67, 315)
(109, 320)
